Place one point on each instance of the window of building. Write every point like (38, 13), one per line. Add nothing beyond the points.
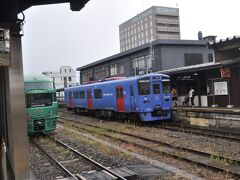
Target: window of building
(97, 93)
(193, 58)
(69, 79)
(87, 76)
(113, 69)
(65, 70)
(142, 65)
(82, 94)
(120, 69)
(210, 57)
(70, 70)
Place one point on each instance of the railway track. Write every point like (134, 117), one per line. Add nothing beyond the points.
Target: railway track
(67, 172)
(213, 161)
(224, 134)
(203, 131)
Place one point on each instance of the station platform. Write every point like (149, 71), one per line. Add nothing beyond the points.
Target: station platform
(209, 109)
(215, 117)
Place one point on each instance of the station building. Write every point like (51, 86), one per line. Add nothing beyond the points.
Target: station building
(216, 83)
(211, 68)
(151, 57)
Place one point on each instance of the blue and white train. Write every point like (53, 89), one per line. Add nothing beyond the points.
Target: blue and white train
(146, 97)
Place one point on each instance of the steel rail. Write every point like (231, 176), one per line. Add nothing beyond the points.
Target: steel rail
(201, 131)
(87, 158)
(66, 171)
(160, 142)
(166, 144)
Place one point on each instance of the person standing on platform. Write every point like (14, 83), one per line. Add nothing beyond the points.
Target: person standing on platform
(174, 97)
(191, 95)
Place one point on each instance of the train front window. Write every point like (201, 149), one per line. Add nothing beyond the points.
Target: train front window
(39, 100)
(156, 89)
(38, 85)
(144, 86)
(166, 86)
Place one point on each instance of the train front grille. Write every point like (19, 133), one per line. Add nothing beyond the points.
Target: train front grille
(39, 125)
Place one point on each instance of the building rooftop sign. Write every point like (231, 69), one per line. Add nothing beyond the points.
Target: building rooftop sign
(156, 9)
(167, 11)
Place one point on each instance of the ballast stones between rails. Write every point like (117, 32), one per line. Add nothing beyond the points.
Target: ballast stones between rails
(189, 155)
(128, 172)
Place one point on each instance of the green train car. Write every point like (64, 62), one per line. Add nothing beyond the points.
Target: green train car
(41, 103)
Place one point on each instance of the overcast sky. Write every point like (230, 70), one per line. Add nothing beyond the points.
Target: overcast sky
(55, 36)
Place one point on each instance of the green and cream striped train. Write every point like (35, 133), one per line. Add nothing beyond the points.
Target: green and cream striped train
(41, 103)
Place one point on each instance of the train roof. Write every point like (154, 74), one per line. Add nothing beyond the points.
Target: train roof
(120, 80)
(37, 78)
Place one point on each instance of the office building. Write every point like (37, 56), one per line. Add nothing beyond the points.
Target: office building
(154, 23)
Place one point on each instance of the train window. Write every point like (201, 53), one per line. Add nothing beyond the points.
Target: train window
(156, 89)
(75, 95)
(82, 94)
(166, 86)
(144, 86)
(54, 97)
(39, 100)
(97, 93)
(38, 85)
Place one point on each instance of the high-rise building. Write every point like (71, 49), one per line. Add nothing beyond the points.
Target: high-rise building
(153, 23)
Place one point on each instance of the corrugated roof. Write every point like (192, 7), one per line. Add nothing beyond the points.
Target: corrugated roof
(223, 41)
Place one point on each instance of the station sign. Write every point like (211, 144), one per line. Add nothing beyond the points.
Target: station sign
(221, 88)
(5, 58)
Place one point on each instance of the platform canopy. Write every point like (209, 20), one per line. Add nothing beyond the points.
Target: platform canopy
(9, 9)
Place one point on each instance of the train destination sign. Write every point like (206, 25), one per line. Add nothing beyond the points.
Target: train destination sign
(5, 59)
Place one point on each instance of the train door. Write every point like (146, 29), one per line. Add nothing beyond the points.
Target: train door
(120, 99)
(89, 98)
(157, 95)
(132, 100)
(166, 94)
(70, 100)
